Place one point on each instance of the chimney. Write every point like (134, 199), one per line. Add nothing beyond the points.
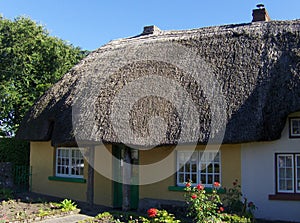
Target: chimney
(260, 14)
(151, 30)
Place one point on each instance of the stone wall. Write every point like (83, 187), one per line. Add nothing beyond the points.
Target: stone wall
(6, 175)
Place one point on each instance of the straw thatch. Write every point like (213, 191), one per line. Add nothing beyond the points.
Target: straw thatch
(249, 83)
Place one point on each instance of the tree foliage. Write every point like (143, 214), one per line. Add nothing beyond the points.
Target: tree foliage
(30, 62)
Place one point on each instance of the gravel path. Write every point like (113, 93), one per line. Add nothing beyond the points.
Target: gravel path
(66, 219)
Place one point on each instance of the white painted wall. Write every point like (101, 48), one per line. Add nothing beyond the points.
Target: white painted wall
(258, 176)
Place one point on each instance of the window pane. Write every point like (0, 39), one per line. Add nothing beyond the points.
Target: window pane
(69, 162)
(285, 173)
(217, 178)
(217, 168)
(282, 185)
(194, 178)
(194, 167)
(203, 168)
(181, 178)
(205, 165)
(282, 173)
(288, 161)
(289, 173)
(203, 179)
(217, 157)
(289, 185)
(187, 162)
(187, 167)
(295, 128)
(210, 179)
(210, 168)
(210, 165)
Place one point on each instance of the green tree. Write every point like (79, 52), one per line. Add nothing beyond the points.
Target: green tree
(30, 62)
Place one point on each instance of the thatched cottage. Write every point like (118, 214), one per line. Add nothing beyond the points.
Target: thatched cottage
(128, 125)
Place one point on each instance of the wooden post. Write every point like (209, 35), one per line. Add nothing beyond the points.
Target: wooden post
(126, 179)
(90, 180)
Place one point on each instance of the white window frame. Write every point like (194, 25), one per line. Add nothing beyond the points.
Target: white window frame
(293, 122)
(278, 166)
(69, 165)
(297, 174)
(198, 159)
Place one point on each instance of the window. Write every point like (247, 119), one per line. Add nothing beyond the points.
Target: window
(295, 127)
(288, 173)
(69, 162)
(198, 167)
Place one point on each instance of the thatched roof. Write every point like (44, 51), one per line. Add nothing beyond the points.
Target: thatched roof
(245, 77)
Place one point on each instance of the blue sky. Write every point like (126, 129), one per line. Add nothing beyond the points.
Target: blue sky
(92, 23)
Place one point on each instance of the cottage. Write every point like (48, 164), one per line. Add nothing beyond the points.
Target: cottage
(140, 116)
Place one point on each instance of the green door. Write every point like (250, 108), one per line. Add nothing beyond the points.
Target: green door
(118, 151)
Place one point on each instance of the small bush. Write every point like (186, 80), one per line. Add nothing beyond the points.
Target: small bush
(6, 194)
(159, 216)
(236, 203)
(67, 205)
(105, 217)
(203, 206)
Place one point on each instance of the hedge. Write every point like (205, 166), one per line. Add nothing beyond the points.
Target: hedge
(15, 151)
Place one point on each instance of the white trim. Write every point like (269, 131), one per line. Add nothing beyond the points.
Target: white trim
(292, 120)
(68, 167)
(297, 165)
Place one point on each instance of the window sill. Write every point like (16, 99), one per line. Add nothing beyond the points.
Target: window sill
(67, 179)
(285, 197)
(208, 190)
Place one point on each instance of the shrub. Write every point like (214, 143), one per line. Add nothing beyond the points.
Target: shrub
(105, 217)
(159, 216)
(233, 218)
(6, 193)
(208, 208)
(67, 205)
(236, 203)
(203, 207)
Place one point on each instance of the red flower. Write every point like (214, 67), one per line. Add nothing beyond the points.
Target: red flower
(194, 196)
(152, 212)
(217, 184)
(235, 182)
(221, 209)
(188, 184)
(200, 187)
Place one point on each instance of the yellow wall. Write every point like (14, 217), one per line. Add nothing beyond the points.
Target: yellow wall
(42, 162)
(42, 158)
(103, 193)
(230, 170)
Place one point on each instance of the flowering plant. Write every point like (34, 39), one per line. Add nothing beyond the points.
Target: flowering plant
(236, 203)
(203, 207)
(159, 216)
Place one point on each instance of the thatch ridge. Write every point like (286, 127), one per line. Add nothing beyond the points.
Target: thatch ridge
(256, 64)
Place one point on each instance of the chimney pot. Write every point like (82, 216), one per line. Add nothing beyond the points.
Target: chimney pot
(260, 6)
(260, 14)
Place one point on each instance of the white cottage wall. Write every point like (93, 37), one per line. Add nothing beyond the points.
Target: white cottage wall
(258, 176)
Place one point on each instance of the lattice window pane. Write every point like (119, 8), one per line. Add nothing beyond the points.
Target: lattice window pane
(285, 172)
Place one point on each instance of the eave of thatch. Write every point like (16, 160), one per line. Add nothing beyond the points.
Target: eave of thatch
(256, 67)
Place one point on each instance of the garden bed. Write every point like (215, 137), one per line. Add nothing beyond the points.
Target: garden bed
(31, 207)
(27, 208)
